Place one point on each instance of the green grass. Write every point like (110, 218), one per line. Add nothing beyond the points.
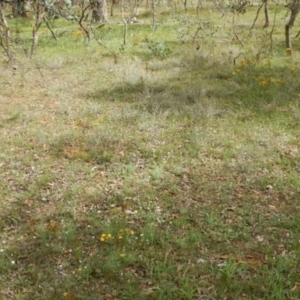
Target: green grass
(161, 170)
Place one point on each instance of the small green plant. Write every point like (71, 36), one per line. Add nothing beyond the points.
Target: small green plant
(158, 49)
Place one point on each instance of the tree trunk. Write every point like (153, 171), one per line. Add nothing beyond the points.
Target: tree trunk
(125, 24)
(266, 11)
(99, 9)
(295, 8)
(18, 8)
(39, 11)
(113, 4)
(185, 4)
(4, 33)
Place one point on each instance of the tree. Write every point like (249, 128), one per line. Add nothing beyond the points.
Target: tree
(40, 12)
(18, 8)
(99, 11)
(295, 8)
(5, 42)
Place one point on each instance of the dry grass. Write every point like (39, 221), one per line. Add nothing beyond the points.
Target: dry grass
(150, 177)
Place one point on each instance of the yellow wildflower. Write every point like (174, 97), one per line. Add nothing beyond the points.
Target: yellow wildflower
(244, 62)
(264, 82)
(103, 237)
(69, 296)
(78, 33)
(293, 68)
(280, 81)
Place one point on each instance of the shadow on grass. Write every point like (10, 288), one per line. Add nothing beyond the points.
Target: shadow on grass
(213, 88)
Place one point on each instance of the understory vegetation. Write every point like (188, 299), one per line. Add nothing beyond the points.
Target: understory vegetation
(167, 168)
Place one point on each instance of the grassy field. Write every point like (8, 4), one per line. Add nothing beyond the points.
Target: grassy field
(166, 169)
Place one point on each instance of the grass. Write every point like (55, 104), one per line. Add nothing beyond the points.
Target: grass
(167, 173)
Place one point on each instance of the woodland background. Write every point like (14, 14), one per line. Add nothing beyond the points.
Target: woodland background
(152, 154)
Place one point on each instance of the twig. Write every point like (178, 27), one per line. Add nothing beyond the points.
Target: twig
(234, 60)
(103, 45)
(238, 38)
(125, 24)
(196, 33)
(84, 9)
(273, 28)
(49, 27)
(256, 17)
(266, 11)
(39, 69)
